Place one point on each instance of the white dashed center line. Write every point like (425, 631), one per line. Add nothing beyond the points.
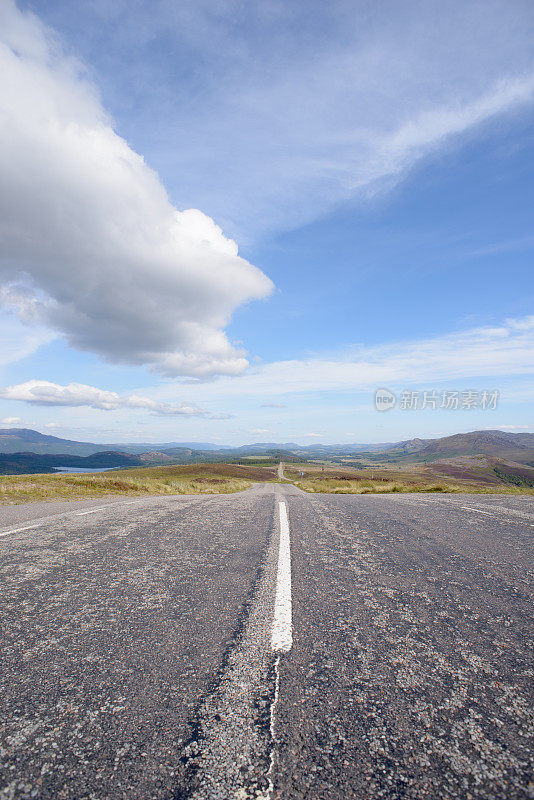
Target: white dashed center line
(282, 633)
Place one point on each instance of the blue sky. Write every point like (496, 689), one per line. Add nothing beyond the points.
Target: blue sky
(362, 177)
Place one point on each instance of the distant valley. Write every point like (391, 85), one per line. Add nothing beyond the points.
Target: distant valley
(26, 451)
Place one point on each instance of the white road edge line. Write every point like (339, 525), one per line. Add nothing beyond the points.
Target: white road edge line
(17, 530)
(489, 514)
(91, 511)
(468, 508)
(68, 514)
(282, 632)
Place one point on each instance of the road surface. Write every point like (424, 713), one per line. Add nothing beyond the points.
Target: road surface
(267, 644)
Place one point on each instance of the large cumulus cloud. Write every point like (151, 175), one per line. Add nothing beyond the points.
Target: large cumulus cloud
(90, 244)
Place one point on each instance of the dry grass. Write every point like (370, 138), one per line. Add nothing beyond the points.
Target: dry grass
(346, 486)
(216, 470)
(317, 479)
(387, 487)
(189, 479)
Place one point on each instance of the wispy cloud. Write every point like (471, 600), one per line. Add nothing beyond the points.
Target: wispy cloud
(498, 352)
(308, 104)
(19, 341)
(45, 393)
(508, 246)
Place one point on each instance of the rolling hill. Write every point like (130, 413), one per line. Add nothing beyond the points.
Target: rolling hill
(21, 440)
(512, 446)
(23, 443)
(32, 463)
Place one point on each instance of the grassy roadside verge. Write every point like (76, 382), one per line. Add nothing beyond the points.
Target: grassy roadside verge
(331, 481)
(388, 487)
(189, 479)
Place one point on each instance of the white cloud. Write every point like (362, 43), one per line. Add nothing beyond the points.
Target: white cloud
(105, 259)
(494, 353)
(45, 393)
(162, 409)
(313, 435)
(273, 405)
(259, 430)
(10, 421)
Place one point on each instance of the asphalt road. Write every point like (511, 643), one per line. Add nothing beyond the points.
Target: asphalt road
(137, 655)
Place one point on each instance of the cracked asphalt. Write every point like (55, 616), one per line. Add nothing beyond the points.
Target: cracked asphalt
(135, 649)
(114, 626)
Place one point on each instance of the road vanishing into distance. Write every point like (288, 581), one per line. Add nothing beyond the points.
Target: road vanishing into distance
(267, 644)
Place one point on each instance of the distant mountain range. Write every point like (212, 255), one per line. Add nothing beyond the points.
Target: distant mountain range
(17, 440)
(23, 450)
